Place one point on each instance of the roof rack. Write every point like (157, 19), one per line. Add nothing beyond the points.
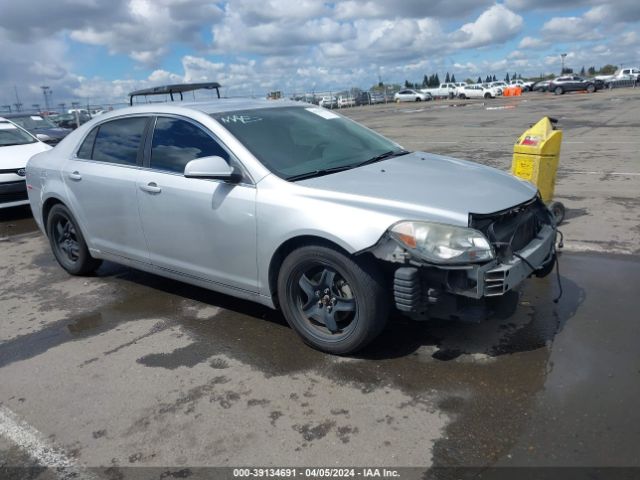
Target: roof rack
(178, 88)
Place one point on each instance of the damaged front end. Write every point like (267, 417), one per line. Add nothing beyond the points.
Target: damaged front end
(448, 272)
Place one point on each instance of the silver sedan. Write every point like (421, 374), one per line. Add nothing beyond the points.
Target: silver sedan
(292, 206)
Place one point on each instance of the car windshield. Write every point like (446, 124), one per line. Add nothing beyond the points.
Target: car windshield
(33, 122)
(297, 142)
(12, 135)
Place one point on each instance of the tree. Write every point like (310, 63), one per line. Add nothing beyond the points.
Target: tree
(494, 79)
(506, 79)
(515, 75)
(608, 69)
(479, 80)
(592, 71)
(437, 81)
(453, 78)
(407, 84)
(425, 81)
(447, 79)
(582, 71)
(567, 70)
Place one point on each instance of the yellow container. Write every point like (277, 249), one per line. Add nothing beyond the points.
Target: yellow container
(536, 155)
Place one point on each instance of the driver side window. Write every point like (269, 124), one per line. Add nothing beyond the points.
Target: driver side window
(176, 142)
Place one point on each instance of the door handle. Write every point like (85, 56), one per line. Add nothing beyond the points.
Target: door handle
(75, 176)
(151, 187)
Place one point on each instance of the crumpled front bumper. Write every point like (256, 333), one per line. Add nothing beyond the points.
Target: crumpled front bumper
(417, 289)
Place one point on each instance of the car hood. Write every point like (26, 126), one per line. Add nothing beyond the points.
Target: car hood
(424, 186)
(16, 156)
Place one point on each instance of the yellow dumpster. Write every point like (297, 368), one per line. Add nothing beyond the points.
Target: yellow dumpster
(535, 158)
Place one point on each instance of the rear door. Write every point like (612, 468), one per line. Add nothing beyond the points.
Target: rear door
(201, 228)
(101, 183)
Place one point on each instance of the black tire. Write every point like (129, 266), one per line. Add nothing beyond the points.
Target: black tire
(558, 91)
(418, 99)
(67, 242)
(487, 95)
(462, 96)
(591, 88)
(337, 304)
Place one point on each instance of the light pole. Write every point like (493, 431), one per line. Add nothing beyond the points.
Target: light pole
(46, 92)
(563, 55)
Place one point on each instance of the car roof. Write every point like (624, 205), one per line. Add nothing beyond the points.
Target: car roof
(214, 106)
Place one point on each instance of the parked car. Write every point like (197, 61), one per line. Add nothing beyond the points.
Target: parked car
(292, 206)
(328, 102)
(408, 95)
(43, 128)
(70, 121)
(369, 98)
(525, 86)
(499, 86)
(346, 102)
(541, 86)
(573, 83)
(17, 145)
(445, 90)
(477, 91)
(620, 75)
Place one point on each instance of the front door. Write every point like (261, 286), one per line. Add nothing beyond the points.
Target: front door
(201, 228)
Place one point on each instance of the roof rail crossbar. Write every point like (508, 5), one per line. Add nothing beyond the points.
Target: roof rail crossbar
(177, 88)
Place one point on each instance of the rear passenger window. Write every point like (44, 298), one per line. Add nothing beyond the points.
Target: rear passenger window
(86, 149)
(176, 142)
(118, 141)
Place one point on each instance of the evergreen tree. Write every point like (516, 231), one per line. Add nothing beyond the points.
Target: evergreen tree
(453, 78)
(494, 79)
(488, 79)
(425, 81)
(582, 71)
(480, 80)
(447, 79)
(407, 84)
(592, 71)
(437, 81)
(506, 79)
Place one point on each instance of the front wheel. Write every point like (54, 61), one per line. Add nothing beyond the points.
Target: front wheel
(487, 95)
(67, 242)
(558, 91)
(336, 303)
(591, 88)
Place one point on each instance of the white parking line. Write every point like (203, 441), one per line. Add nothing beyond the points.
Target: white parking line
(38, 448)
(584, 247)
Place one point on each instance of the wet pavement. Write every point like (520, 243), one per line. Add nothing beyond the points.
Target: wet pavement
(130, 369)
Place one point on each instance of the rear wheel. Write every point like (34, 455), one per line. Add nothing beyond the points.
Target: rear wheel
(462, 96)
(418, 99)
(558, 91)
(67, 242)
(337, 304)
(487, 95)
(591, 88)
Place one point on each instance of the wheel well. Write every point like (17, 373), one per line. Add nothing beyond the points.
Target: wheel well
(285, 249)
(46, 208)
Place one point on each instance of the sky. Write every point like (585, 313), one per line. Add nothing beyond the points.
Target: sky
(99, 50)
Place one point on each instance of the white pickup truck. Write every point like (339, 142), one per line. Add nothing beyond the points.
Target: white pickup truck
(445, 90)
(621, 74)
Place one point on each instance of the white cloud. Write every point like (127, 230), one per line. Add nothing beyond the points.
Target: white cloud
(495, 25)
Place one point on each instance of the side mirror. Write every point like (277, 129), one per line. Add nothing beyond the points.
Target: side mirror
(43, 137)
(212, 167)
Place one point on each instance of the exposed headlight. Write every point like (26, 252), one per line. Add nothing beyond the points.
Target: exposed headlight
(439, 243)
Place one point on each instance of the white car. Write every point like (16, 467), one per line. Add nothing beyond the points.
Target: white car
(477, 91)
(328, 102)
(346, 102)
(408, 95)
(525, 86)
(16, 147)
(499, 86)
